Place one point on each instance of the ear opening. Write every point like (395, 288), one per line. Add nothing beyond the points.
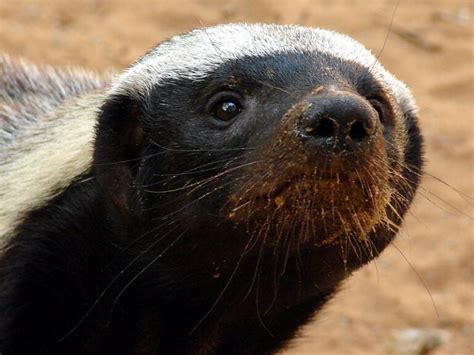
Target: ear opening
(118, 148)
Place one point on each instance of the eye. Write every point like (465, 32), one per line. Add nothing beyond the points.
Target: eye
(380, 108)
(225, 106)
(226, 109)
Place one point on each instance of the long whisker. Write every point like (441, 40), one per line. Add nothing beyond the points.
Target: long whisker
(111, 283)
(154, 260)
(387, 35)
(224, 289)
(419, 278)
(204, 181)
(201, 150)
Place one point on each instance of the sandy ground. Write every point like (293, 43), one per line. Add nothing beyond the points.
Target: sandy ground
(430, 48)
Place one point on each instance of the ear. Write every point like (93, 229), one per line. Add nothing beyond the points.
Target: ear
(118, 148)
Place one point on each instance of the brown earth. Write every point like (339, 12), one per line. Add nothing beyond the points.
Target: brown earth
(430, 48)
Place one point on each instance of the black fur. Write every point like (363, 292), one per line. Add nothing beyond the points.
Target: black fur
(114, 265)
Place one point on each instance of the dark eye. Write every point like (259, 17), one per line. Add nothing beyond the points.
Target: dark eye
(380, 108)
(226, 109)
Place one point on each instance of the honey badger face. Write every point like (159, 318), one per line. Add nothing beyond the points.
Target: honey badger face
(239, 174)
(278, 158)
(281, 134)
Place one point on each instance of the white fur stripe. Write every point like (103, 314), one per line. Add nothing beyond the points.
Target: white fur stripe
(46, 160)
(196, 54)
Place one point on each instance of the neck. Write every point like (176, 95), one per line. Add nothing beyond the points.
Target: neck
(71, 263)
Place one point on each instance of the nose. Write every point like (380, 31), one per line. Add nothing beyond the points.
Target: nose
(339, 122)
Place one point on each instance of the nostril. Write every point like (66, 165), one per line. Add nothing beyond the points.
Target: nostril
(326, 128)
(358, 132)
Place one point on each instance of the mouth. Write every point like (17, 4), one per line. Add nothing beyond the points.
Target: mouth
(327, 204)
(316, 183)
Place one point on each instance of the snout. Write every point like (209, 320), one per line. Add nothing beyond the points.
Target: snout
(338, 122)
(326, 163)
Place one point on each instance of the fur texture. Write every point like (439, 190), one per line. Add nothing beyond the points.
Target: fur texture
(192, 56)
(209, 200)
(47, 121)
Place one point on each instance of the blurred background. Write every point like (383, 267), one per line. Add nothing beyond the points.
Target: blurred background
(421, 289)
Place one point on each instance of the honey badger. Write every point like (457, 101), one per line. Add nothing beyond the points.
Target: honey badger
(209, 200)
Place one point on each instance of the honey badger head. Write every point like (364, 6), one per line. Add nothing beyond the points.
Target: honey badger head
(281, 136)
(239, 174)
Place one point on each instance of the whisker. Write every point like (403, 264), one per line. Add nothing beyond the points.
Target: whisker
(275, 87)
(379, 55)
(220, 187)
(419, 278)
(224, 289)
(204, 181)
(154, 260)
(201, 150)
(110, 284)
